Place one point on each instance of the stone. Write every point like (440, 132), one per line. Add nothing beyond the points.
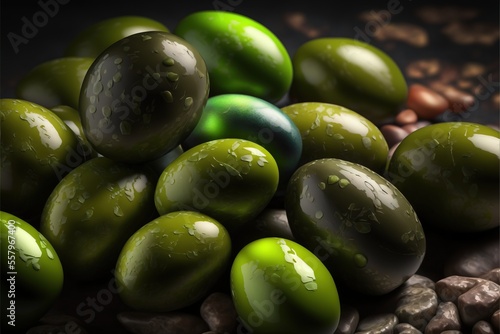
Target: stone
(495, 321)
(482, 327)
(450, 288)
(492, 275)
(479, 303)
(416, 306)
(349, 320)
(446, 318)
(377, 324)
(219, 312)
(153, 323)
(405, 328)
(419, 280)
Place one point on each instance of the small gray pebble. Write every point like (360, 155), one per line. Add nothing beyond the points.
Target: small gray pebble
(219, 312)
(171, 323)
(451, 331)
(450, 288)
(446, 318)
(349, 319)
(479, 303)
(417, 306)
(405, 328)
(495, 321)
(492, 275)
(377, 324)
(482, 327)
(419, 280)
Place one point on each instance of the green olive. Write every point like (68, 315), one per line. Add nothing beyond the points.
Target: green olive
(32, 275)
(93, 211)
(172, 262)
(143, 96)
(450, 173)
(278, 286)
(358, 223)
(350, 73)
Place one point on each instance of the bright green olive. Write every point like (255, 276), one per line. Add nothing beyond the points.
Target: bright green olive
(358, 223)
(172, 262)
(93, 211)
(278, 286)
(350, 73)
(332, 131)
(242, 55)
(55, 82)
(32, 275)
(98, 36)
(231, 180)
(450, 173)
(143, 96)
(251, 118)
(38, 149)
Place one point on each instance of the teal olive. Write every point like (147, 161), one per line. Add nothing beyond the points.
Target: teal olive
(172, 262)
(231, 180)
(251, 118)
(143, 96)
(358, 223)
(32, 275)
(91, 41)
(243, 56)
(278, 286)
(450, 173)
(93, 211)
(350, 73)
(333, 131)
(54, 82)
(38, 149)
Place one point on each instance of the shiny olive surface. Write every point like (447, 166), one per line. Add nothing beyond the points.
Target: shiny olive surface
(231, 180)
(350, 73)
(93, 211)
(32, 275)
(143, 96)
(91, 41)
(38, 149)
(332, 131)
(54, 82)
(251, 118)
(242, 55)
(450, 173)
(172, 262)
(280, 287)
(358, 223)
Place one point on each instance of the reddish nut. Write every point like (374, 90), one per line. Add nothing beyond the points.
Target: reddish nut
(406, 116)
(415, 126)
(458, 100)
(425, 102)
(393, 134)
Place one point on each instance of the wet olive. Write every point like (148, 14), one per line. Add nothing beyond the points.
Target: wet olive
(251, 118)
(172, 262)
(143, 96)
(350, 73)
(332, 131)
(242, 55)
(91, 41)
(93, 211)
(54, 82)
(32, 275)
(38, 149)
(278, 286)
(231, 180)
(450, 173)
(358, 223)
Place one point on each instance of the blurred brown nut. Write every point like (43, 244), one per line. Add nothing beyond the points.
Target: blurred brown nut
(393, 134)
(435, 14)
(459, 100)
(472, 70)
(404, 32)
(472, 33)
(423, 68)
(426, 102)
(415, 126)
(406, 116)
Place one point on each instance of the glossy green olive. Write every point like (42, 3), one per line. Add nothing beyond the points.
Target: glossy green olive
(172, 262)
(98, 36)
(143, 96)
(450, 173)
(93, 211)
(350, 73)
(332, 131)
(231, 180)
(278, 286)
(32, 275)
(358, 223)
(38, 149)
(251, 118)
(242, 55)
(55, 82)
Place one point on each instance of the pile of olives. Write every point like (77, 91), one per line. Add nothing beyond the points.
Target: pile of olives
(153, 153)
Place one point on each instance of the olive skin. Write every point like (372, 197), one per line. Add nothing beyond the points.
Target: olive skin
(358, 223)
(32, 274)
(93, 211)
(55, 82)
(231, 180)
(172, 262)
(94, 39)
(242, 55)
(350, 73)
(449, 172)
(142, 96)
(251, 118)
(38, 149)
(278, 286)
(332, 131)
